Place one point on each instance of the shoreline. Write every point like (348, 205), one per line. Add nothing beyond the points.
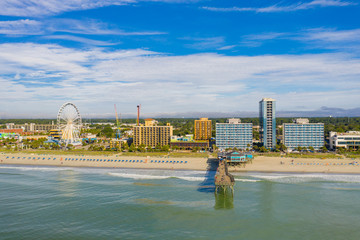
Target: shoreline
(259, 164)
(105, 161)
(300, 165)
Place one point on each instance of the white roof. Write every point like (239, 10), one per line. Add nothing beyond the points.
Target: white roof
(268, 99)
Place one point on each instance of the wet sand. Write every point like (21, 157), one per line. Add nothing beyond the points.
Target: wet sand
(259, 164)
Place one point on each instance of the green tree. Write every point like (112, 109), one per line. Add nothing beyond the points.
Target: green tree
(277, 148)
(125, 146)
(214, 147)
(132, 148)
(107, 131)
(256, 135)
(165, 148)
(263, 149)
(142, 148)
(195, 149)
(158, 148)
(174, 147)
(324, 149)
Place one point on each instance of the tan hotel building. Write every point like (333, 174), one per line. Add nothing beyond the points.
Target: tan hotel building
(152, 135)
(202, 129)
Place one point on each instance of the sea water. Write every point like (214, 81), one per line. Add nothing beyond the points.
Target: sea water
(93, 203)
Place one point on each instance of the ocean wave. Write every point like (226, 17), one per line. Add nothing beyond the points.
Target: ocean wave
(246, 180)
(31, 168)
(300, 178)
(137, 176)
(192, 178)
(147, 176)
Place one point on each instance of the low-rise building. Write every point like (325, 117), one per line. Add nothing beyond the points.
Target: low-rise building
(187, 142)
(349, 139)
(235, 157)
(116, 143)
(190, 144)
(55, 134)
(301, 133)
(9, 135)
(15, 130)
(186, 138)
(32, 127)
(234, 134)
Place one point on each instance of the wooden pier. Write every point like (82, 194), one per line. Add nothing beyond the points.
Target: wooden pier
(223, 179)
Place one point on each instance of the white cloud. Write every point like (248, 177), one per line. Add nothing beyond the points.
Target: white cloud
(284, 8)
(331, 35)
(36, 8)
(39, 78)
(21, 27)
(39, 8)
(90, 27)
(84, 27)
(321, 38)
(81, 39)
(227, 47)
(205, 43)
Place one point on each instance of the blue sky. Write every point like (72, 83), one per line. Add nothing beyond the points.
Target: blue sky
(176, 57)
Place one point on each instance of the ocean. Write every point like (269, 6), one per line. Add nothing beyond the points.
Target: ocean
(91, 203)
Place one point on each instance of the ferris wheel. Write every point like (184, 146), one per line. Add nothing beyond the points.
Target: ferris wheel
(69, 124)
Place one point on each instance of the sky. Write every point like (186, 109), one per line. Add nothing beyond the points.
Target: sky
(178, 57)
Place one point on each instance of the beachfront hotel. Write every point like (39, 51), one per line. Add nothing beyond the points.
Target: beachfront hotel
(349, 139)
(267, 122)
(152, 135)
(32, 127)
(234, 134)
(301, 133)
(202, 129)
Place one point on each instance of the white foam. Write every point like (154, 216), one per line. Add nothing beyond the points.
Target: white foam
(246, 180)
(137, 176)
(299, 178)
(42, 169)
(193, 178)
(147, 176)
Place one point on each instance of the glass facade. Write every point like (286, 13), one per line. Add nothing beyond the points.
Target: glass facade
(237, 135)
(267, 120)
(303, 135)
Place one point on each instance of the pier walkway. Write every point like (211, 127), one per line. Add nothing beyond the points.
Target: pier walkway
(223, 179)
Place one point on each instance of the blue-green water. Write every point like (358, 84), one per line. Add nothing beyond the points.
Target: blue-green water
(88, 203)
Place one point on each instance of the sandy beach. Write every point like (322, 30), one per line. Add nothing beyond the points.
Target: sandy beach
(300, 165)
(259, 164)
(104, 161)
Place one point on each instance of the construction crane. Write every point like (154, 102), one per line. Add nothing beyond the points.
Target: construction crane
(118, 132)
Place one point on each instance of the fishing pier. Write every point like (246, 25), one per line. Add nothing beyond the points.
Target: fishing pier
(223, 179)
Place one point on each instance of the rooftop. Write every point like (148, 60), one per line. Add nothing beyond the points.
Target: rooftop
(268, 100)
